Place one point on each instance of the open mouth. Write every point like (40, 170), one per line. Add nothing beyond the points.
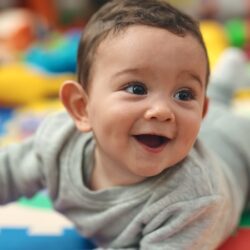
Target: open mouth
(152, 141)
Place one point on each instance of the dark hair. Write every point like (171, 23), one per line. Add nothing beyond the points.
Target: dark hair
(117, 15)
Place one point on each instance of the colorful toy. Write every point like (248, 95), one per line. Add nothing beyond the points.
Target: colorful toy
(238, 32)
(215, 39)
(18, 124)
(57, 55)
(23, 84)
(18, 28)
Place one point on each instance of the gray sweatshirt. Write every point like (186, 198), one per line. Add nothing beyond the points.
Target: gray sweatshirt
(190, 206)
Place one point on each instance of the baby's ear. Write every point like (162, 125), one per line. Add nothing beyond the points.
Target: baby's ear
(75, 100)
(205, 107)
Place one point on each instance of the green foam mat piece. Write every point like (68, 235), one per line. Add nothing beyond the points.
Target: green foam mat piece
(245, 219)
(40, 200)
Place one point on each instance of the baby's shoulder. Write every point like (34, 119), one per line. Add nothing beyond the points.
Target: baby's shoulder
(202, 171)
(55, 132)
(200, 174)
(55, 123)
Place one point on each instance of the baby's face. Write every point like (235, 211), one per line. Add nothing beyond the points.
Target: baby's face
(146, 101)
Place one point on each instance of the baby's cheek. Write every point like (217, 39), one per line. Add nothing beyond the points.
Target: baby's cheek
(192, 129)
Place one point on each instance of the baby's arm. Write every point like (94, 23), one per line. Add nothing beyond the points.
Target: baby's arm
(200, 224)
(27, 167)
(200, 213)
(20, 171)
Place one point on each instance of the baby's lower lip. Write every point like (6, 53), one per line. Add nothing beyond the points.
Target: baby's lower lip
(153, 143)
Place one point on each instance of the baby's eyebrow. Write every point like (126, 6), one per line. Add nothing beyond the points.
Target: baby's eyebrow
(128, 71)
(195, 77)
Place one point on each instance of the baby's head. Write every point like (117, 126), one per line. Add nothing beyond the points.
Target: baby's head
(116, 16)
(143, 71)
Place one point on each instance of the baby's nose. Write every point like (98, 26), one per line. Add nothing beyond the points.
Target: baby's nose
(160, 111)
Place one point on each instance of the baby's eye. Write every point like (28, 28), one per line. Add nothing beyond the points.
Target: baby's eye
(184, 95)
(136, 89)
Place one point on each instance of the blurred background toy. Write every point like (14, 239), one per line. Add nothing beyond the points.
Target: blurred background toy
(238, 31)
(215, 39)
(19, 123)
(58, 54)
(23, 84)
(17, 28)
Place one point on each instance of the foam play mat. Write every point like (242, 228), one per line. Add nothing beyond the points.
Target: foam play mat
(32, 224)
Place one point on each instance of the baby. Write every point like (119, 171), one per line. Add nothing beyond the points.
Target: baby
(124, 163)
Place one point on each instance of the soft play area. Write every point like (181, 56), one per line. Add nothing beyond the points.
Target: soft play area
(38, 47)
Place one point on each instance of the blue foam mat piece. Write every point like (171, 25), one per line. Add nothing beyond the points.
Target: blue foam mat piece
(20, 239)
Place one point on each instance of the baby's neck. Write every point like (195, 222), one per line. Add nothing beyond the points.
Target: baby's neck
(105, 176)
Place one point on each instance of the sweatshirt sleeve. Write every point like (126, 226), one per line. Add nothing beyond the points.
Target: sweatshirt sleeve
(20, 171)
(200, 224)
(29, 166)
(201, 215)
